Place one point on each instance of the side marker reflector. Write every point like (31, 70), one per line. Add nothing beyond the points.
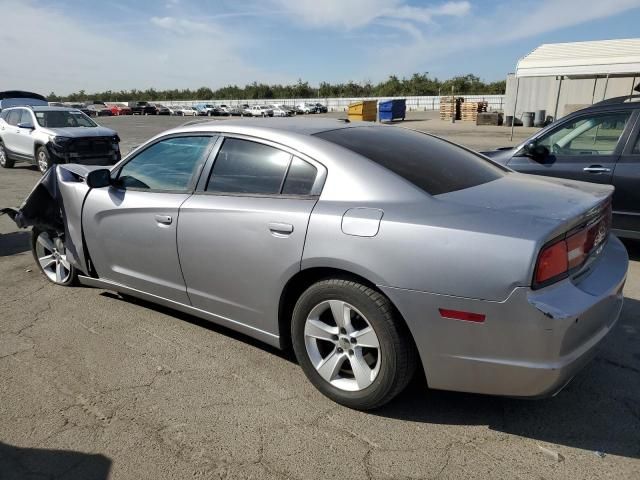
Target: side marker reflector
(460, 315)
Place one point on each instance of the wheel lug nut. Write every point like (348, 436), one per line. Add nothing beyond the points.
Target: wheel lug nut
(353, 340)
(334, 337)
(343, 331)
(350, 352)
(339, 350)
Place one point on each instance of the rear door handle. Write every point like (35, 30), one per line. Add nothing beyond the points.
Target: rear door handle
(281, 228)
(164, 219)
(596, 169)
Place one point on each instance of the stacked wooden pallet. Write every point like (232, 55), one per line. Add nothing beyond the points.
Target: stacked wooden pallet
(469, 110)
(450, 106)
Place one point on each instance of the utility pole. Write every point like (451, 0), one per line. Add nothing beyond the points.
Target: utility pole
(453, 104)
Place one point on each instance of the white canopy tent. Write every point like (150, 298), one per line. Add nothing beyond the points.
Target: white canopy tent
(593, 59)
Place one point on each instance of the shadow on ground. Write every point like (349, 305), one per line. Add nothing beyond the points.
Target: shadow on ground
(598, 411)
(14, 242)
(23, 463)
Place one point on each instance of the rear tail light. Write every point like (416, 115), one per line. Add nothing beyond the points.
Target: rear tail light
(558, 259)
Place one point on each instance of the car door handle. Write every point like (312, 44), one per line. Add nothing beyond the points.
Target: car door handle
(164, 219)
(596, 169)
(281, 228)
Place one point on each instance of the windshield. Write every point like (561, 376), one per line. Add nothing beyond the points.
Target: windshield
(63, 119)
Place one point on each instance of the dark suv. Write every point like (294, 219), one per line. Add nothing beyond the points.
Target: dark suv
(599, 144)
(143, 108)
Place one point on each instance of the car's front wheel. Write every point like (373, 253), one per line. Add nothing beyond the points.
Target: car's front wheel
(43, 160)
(51, 256)
(5, 162)
(351, 343)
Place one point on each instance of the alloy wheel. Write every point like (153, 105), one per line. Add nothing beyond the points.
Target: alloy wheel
(52, 257)
(43, 162)
(342, 345)
(3, 156)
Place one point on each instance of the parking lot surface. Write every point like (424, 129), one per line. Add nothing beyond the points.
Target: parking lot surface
(95, 386)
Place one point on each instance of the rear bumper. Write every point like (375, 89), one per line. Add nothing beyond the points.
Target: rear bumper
(530, 345)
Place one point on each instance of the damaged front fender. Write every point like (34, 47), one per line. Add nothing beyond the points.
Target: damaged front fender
(55, 204)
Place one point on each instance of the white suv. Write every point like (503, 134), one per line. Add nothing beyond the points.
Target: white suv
(46, 135)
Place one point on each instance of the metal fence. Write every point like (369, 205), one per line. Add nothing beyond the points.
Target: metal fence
(495, 102)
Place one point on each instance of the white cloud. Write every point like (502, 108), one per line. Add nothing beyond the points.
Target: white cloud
(350, 14)
(45, 50)
(485, 29)
(180, 25)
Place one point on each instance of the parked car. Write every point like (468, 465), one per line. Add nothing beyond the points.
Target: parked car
(117, 109)
(306, 108)
(185, 111)
(279, 111)
(320, 108)
(163, 110)
(143, 108)
(260, 111)
(47, 135)
(12, 98)
(79, 106)
(235, 111)
(380, 253)
(599, 144)
(98, 110)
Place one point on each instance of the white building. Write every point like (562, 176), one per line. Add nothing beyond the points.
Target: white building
(563, 77)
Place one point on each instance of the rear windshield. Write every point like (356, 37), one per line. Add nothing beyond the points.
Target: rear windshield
(434, 165)
(64, 119)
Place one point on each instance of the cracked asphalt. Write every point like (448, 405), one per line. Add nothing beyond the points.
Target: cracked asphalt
(94, 386)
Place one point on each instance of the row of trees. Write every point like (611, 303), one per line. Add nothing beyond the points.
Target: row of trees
(417, 84)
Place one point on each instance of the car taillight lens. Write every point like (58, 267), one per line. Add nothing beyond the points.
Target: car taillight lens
(552, 262)
(557, 260)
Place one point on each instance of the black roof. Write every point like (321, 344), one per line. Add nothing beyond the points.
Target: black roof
(20, 94)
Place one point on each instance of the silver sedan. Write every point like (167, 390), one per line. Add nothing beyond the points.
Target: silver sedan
(371, 250)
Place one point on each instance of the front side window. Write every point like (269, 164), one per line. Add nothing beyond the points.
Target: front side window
(589, 135)
(248, 167)
(170, 165)
(26, 117)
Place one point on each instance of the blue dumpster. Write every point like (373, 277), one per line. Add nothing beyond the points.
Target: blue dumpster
(392, 110)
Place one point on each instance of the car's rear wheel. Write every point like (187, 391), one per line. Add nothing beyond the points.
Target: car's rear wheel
(5, 162)
(43, 160)
(351, 343)
(51, 256)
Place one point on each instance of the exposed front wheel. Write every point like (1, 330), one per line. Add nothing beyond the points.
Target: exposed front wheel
(351, 343)
(5, 162)
(51, 256)
(42, 157)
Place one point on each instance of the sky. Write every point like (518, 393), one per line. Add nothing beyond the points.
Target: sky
(69, 45)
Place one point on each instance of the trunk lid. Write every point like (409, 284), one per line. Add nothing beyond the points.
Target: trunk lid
(568, 202)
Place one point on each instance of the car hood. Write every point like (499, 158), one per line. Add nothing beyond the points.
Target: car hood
(565, 202)
(80, 132)
(500, 155)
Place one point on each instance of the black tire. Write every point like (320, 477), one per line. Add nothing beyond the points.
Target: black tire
(43, 161)
(397, 352)
(73, 274)
(5, 161)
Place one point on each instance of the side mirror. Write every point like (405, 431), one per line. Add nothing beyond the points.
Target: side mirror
(27, 125)
(99, 178)
(536, 152)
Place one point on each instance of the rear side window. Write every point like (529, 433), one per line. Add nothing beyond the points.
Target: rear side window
(432, 164)
(300, 178)
(243, 166)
